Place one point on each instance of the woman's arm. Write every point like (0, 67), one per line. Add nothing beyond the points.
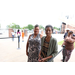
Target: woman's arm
(69, 39)
(55, 51)
(43, 59)
(41, 36)
(40, 54)
(27, 45)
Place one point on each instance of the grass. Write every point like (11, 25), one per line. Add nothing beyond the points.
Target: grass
(61, 42)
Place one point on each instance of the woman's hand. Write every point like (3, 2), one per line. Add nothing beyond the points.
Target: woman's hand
(43, 59)
(40, 58)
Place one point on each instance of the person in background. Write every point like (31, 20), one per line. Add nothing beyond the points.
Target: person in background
(13, 34)
(22, 36)
(49, 46)
(42, 32)
(19, 34)
(69, 45)
(67, 30)
(34, 45)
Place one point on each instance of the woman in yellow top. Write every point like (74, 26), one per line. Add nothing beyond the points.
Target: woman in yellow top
(22, 36)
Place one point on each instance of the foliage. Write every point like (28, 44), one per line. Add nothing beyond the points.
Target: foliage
(41, 27)
(56, 28)
(14, 26)
(30, 27)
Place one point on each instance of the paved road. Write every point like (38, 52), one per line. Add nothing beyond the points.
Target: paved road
(10, 53)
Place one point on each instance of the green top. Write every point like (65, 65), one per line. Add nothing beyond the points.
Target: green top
(53, 46)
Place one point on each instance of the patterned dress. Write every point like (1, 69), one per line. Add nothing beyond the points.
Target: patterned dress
(45, 49)
(34, 48)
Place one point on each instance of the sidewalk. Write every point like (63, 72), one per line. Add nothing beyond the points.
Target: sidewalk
(10, 53)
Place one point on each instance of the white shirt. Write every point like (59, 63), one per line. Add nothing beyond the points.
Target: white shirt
(12, 33)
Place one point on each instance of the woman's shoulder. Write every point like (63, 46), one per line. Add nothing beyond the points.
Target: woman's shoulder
(43, 37)
(30, 35)
(54, 39)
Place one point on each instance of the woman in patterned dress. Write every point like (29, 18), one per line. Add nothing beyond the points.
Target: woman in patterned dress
(34, 45)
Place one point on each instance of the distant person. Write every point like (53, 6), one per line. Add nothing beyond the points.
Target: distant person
(13, 34)
(19, 34)
(42, 32)
(34, 45)
(22, 36)
(49, 46)
(67, 30)
(69, 45)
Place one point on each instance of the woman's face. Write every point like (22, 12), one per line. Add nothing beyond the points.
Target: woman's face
(36, 30)
(48, 31)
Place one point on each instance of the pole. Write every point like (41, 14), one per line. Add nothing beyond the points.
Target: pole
(18, 41)
(64, 53)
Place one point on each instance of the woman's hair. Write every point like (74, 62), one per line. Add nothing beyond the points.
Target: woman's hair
(18, 30)
(36, 26)
(70, 32)
(49, 26)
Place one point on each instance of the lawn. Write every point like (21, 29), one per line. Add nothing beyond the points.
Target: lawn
(61, 42)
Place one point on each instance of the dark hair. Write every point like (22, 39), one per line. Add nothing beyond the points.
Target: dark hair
(18, 30)
(70, 32)
(36, 26)
(49, 26)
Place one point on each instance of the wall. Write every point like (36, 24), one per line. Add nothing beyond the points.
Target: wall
(63, 28)
(10, 30)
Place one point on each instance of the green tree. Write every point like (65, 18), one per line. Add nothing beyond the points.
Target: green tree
(56, 28)
(8, 26)
(41, 27)
(14, 26)
(30, 26)
(26, 27)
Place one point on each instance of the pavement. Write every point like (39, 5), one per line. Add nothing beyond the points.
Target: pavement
(9, 51)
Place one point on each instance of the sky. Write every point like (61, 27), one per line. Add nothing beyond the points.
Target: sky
(25, 18)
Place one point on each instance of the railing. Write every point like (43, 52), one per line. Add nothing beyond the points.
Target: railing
(58, 53)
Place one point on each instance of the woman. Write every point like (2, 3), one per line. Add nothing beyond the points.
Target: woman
(49, 45)
(13, 34)
(22, 36)
(34, 45)
(69, 45)
(19, 34)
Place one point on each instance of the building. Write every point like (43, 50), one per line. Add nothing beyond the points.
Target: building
(67, 23)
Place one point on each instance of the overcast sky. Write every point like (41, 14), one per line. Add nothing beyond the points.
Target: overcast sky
(25, 18)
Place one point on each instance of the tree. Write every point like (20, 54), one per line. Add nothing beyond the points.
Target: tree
(8, 26)
(41, 27)
(26, 27)
(56, 28)
(13, 26)
(30, 27)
